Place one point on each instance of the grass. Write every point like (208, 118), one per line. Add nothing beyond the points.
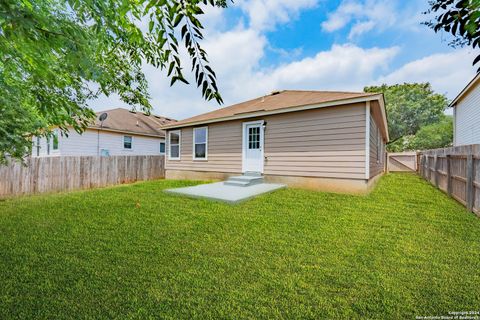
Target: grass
(405, 250)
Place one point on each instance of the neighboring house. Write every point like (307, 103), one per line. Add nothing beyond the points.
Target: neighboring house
(466, 114)
(322, 140)
(122, 133)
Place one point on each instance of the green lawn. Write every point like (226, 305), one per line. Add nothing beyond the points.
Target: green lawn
(133, 251)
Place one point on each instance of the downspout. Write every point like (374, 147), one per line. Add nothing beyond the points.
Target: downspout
(367, 141)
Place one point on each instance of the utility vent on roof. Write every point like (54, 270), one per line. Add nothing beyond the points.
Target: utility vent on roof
(275, 92)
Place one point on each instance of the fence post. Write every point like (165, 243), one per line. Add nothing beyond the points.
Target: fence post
(429, 170)
(435, 170)
(449, 176)
(469, 188)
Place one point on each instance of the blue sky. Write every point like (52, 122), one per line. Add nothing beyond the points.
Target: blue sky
(256, 46)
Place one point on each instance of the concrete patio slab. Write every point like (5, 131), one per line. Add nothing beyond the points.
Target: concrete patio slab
(220, 191)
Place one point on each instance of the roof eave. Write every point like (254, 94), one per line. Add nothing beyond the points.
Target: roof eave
(278, 111)
(127, 132)
(465, 90)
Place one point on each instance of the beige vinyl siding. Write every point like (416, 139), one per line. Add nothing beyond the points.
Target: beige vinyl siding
(328, 142)
(377, 150)
(224, 149)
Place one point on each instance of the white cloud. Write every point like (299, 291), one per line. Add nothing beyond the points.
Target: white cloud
(365, 15)
(265, 14)
(447, 72)
(360, 28)
(342, 16)
(343, 67)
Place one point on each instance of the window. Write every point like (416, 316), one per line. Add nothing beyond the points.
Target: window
(127, 142)
(200, 137)
(38, 146)
(162, 147)
(48, 146)
(55, 140)
(254, 138)
(174, 138)
(379, 146)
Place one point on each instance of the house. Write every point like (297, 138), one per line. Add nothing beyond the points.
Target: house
(323, 140)
(123, 132)
(466, 114)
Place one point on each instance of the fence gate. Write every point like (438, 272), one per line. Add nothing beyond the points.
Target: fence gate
(402, 162)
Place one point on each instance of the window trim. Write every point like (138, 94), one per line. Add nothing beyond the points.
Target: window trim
(179, 132)
(131, 143)
(206, 143)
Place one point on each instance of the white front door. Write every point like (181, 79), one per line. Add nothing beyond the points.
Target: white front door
(253, 146)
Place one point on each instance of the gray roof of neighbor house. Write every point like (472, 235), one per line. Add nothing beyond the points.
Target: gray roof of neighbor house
(123, 120)
(276, 101)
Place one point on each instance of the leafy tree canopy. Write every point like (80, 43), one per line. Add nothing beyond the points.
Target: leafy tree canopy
(460, 18)
(410, 106)
(55, 55)
(433, 136)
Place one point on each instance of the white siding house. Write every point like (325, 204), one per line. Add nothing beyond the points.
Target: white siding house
(466, 111)
(98, 142)
(122, 133)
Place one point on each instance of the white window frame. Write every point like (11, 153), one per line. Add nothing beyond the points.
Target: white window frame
(179, 132)
(206, 143)
(131, 143)
(164, 147)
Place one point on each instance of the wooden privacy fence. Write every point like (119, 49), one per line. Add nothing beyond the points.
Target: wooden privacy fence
(53, 174)
(456, 171)
(402, 162)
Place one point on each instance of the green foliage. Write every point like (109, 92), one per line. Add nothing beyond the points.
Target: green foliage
(56, 55)
(410, 106)
(460, 18)
(432, 136)
(437, 135)
(135, 252)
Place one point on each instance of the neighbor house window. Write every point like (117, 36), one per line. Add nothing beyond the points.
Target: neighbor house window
(55, 140)
(38, 146)
(162, 147)
(200, 138)
(127, 142)
(174, 138)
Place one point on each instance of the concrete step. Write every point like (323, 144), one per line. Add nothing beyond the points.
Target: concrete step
(237, 183)
(244, 181)
(252, 174)
(246, 178)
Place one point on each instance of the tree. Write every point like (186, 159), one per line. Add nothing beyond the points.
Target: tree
(409, 106)
(57, 55)
(460, 18)
(433, 136)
